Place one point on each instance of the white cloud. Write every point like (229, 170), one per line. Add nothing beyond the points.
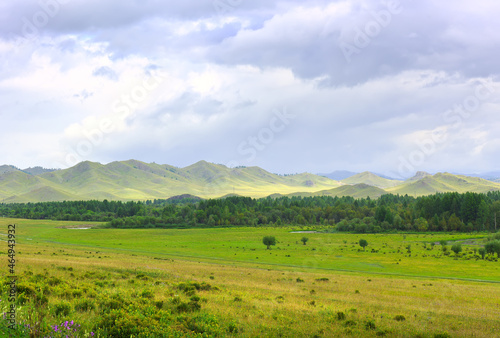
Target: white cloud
(223, 74)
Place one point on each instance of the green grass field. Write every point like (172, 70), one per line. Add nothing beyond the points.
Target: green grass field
(224, 282)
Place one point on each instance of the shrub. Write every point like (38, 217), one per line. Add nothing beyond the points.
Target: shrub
(350, 323)
(233, 328)
(492, 247)
(381, 333)
(62, 309)
(204, 325)
(84, 305)
(188, 307)
(189, 288)
(26, 289)
(147, 294)
(52, 281)
(340, 315)
(370, 325)
(77, 293)
(400, 318)
(482, 252)
(456, 248)
(121, 323)
(442, 335)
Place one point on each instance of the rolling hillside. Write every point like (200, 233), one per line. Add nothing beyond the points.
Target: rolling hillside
(360, 190)
(444, 182)
(371, 179)
(135, 180)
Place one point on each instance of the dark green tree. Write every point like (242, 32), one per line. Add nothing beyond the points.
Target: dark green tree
(363, 243)
(269, 240)
(456, 248)
(493, 247)
(304, 240)
(482, 252)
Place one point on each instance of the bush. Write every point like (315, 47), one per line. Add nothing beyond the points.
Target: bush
(233, 328)
(205, 325)
(456, 248)
(492, 247)
(84, 305)
(370, 325)
(350, 323)
(442, 335)
(147, 294)
(189, 288)
(188, 307)
(400, 318)
(121, 323)
(62, 309)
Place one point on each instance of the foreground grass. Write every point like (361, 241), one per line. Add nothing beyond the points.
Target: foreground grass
(210, 283)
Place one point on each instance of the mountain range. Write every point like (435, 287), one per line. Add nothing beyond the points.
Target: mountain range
(136, 180)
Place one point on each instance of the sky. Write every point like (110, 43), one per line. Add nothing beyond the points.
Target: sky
(392, 87)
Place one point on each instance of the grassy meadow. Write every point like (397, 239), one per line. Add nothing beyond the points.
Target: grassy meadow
(224, 282)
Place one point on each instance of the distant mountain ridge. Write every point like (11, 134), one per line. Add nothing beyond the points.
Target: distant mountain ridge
(31, 171)
(371, 179)
(339, 175)
(136, 180)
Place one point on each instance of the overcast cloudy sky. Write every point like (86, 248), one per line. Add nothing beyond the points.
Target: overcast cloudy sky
(291, 86)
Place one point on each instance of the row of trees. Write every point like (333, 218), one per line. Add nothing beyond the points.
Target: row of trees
(440, 212)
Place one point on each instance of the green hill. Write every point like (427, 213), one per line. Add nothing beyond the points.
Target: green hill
(360, 190)
(135, 180)
(357, 191)
(7, 169)
(371, 179)
(444, 182)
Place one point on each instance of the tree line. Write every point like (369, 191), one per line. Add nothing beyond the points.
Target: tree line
(440, 212)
